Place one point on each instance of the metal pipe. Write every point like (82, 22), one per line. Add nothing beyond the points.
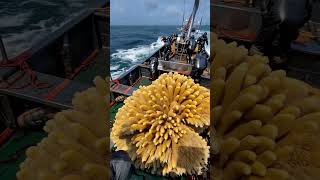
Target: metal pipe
(3, 51)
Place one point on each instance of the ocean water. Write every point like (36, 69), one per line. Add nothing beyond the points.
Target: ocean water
(24, 22)
(130, 45)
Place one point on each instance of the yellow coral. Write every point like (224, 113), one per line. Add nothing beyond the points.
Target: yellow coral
(158, 126)
(266, 125)
(77, 143)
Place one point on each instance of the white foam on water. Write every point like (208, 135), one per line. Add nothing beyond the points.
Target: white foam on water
(138, 53)
(43, 2)
(134, 55)
(16, 43)
(113, 68)
(45, 24)
(118, 72)
(75, 3)
(14, 20)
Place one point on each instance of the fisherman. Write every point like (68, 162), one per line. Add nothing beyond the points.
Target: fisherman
(199, 65)
(154, 63)
(173, 47)
(183, 38)
(191, 44)
(281, 21)
(167, 48)
(205, 38)
(202, 41)
(172, 39)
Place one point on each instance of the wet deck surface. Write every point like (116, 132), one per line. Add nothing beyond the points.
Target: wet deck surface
(97, 68)
(143, 81)
(12, 153)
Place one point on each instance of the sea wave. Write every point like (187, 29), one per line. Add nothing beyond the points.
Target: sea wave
(16, 43)
(14, 20)
(118, 72)
(138, 53)
(133, 56)
(42, 2)
(21, 30)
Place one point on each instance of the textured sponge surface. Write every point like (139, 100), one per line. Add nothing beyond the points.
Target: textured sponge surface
(266, 124)
(77, 143)
(159, 126)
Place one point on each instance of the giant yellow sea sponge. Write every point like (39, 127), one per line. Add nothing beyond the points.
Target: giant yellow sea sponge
(159, 124)
(265, 125)
(77, 143)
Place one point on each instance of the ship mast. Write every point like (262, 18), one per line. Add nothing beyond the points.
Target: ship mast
(194, 11)
(184, 7)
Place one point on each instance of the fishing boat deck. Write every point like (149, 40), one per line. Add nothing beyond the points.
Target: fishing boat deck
(60, 91)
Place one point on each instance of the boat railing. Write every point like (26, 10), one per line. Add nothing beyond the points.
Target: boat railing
(127, 73)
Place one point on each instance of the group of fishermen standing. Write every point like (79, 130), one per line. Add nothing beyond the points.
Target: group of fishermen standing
(189, 46)
(192, 47)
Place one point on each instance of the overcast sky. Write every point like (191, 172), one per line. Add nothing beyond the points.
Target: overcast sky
(156, 12)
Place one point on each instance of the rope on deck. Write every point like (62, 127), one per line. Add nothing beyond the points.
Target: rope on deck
(52, 94)
(5, 135)
(21, 62)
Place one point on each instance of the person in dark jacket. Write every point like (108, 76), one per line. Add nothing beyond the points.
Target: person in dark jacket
(281, 21)
(202, 41)
(199, 65)
(121, 167)
(167, 48)
(191, 43)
